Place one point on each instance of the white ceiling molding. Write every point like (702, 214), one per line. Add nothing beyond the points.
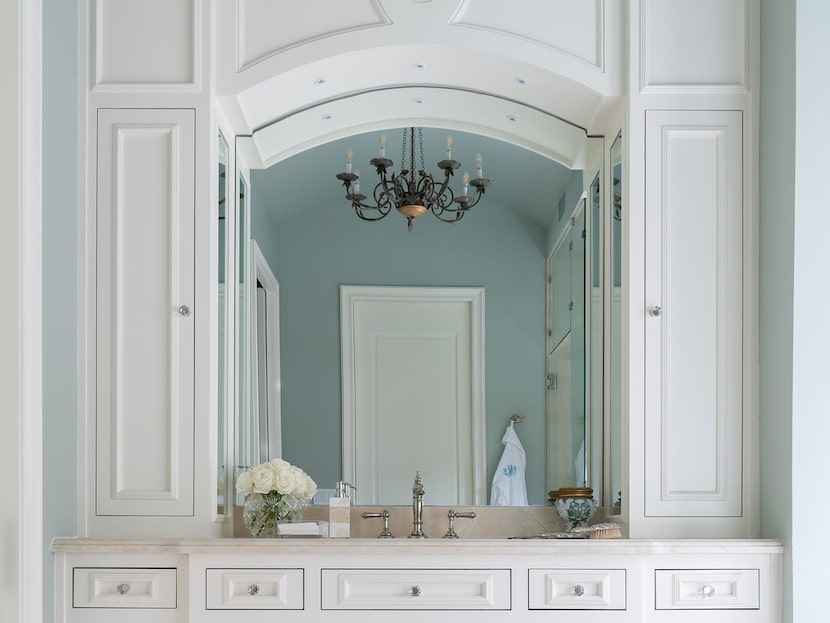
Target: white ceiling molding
(574, 28)
(475, 113)
(266, 28)
(566, 62)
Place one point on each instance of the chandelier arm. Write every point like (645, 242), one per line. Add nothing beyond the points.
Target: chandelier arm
(446, 183)
(362, 217)
(457, 216)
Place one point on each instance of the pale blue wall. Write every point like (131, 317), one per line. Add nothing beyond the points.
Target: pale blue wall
(794, 297)
(60, 318)
(777, 156)
(314, 253)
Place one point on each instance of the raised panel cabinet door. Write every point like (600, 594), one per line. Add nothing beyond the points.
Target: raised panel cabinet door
(693, 314)
(144, 306)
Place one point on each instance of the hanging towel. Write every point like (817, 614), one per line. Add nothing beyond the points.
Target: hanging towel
(509, 488)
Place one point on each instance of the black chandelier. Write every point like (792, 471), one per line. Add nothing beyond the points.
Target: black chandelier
(409, 195)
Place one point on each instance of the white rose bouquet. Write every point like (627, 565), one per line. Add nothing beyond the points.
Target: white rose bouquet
(275, 491)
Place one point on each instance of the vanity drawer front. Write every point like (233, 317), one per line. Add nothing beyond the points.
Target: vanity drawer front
(123, 588)
(416, 589)
(254, 589)
(576, 589)
(702, 589)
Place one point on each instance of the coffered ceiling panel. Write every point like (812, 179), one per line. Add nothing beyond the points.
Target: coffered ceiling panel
(569, 26)
(267, 27)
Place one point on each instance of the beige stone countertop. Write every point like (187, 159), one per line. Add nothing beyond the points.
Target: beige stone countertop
(407, 546)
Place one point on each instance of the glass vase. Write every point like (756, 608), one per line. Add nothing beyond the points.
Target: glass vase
(263, 511)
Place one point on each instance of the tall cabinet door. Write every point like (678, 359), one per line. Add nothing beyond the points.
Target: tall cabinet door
(693, 312)
(144, 305)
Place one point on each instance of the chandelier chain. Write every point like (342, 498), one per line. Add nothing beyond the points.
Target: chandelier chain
(421, 145)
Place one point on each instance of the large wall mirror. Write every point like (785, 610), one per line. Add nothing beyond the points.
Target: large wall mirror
(313, 242)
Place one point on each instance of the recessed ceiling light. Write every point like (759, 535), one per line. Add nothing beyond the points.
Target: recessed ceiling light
(521, 81)
(419, 66)
(512, 118)
(320, 81)
(327, 117)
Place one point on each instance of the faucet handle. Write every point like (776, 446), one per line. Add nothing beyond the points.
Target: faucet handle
(385, 516)
(451, 515)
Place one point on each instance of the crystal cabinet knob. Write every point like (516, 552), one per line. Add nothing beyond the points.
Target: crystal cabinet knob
(655, 311)
(123, 588)
(415, 591)
(708, 590)
(184, 310)
(253, 589)
(577, 590)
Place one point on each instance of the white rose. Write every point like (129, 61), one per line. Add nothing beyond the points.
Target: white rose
(244, 483)
(279, 464)
(263, 478)
(307, 487)
(285, 480)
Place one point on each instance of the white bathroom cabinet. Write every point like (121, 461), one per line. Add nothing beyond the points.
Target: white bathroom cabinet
(242, 580)
(693, 314)
(144, 295)
(157, 84)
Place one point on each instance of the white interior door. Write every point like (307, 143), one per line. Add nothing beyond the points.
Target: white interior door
(413, 384)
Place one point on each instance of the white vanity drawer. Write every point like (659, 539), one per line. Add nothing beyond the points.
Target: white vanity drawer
(123, 588)
(416, 589)
(702, 589)
(576, 589)
(254, 589)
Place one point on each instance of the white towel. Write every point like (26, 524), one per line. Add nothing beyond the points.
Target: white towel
(509, 488)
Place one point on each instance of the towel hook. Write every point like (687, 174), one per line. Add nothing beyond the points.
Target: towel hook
(516, 418)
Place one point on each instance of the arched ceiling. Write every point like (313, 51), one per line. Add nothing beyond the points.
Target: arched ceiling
(306, 79)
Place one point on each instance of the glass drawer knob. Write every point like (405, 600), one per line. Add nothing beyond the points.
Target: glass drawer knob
(184, 310)
(415, 591)
(655, 311)
(577, 590)
(708, 590)
(253, 589)
(123, 588)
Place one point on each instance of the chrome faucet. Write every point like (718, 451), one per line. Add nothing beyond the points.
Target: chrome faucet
(417, 508)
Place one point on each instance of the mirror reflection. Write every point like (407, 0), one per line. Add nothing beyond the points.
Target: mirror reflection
(313, 243)
(615, 221)
(221, 302)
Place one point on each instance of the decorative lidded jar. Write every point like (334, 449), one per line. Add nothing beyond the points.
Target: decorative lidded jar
(575, 505)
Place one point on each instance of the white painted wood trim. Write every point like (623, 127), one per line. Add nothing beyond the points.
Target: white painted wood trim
(269, 282)
(21, 586)
(475, 297)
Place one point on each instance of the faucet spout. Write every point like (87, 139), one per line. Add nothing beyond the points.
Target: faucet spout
(417, 508)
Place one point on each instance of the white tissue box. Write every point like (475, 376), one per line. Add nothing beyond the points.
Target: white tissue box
(300, 528)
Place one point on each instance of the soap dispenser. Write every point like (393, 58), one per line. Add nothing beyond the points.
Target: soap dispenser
(340, 511)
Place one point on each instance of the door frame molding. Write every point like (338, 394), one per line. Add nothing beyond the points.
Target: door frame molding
(271, 286)
(349, 296)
